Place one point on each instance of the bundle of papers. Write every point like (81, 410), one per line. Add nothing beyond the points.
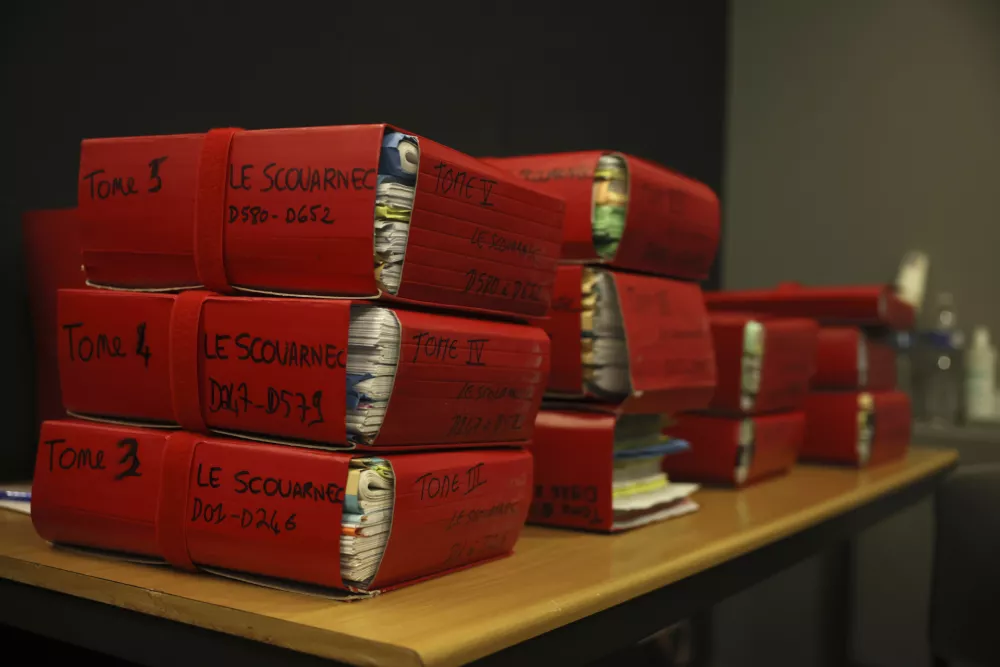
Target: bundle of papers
(610, 202)
(751, 364)
(397, 179)
(372, 356)
(367, 520)
(605, 356)
(744, 451)
(641, 491)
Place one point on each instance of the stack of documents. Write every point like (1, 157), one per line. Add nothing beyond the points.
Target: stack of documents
(610, 204)
(372, 358)
(368, 503)
(397, 179)
(605, 355)
(641, 491)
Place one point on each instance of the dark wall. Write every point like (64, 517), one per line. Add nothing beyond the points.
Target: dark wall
(645, 78)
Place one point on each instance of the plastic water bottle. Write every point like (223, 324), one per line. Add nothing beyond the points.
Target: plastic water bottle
(980, 377)
(942, 365)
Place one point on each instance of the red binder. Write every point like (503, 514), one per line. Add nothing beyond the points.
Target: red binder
(875, 305)
(291, 211)
(672, 222)
(574, 466)
(277, 368)
(671, 360)
(268, 510)
(858, 427)
(735, 451)
(848, 359)
(51, 261)
(764, 364)
(574, 470)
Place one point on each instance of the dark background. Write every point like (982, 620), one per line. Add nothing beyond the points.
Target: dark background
(643, 78)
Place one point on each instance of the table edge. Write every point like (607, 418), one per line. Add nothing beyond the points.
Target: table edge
(534, 620)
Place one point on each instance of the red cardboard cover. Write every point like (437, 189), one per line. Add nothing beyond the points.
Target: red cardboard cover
(264, 509)
(573, 454)
(291, 211)
(858, 427)
(780, 372)
(672, 222)
(51, 260)
(715, 447)
(848, 359)
(277, 367)
(875, 305)
(671, 359)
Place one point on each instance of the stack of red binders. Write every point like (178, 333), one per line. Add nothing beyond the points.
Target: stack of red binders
(307, 342)
(755, 424)
(854, 414)
(630, 337)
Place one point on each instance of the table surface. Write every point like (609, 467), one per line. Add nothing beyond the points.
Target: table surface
(555, 577)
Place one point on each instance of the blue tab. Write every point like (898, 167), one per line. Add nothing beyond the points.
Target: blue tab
(671, 446)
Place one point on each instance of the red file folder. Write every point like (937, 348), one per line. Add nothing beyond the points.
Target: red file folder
(51, 261)
(268, 510)
(672, 223)
(764, 364)
(574, 470)
(846, 358)
(671, 361)
(857, 427)
(276, 368)
(291, 211)
(735, 451)
(875, 305)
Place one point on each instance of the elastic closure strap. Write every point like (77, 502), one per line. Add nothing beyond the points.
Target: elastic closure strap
(171, 509)
(209, 209)
(185, 385)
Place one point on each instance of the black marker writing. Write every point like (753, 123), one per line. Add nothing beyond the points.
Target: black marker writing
(462, 184)
(131, 457)
(156, 183)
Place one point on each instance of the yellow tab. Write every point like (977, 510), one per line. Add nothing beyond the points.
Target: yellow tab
(394, 213)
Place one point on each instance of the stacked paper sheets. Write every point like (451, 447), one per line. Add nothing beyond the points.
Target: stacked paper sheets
(372, 357)
(397, 179)
(368, 503)
(641, 491)
(605, 355)
(610, 202)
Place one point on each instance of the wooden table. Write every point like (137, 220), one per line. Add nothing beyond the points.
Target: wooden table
(564, 595)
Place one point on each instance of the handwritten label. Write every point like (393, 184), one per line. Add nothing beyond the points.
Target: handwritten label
(258, 215)
(462, 185)
(101, 185)
(284, 178)
(557, 174)
(466, 425)
(259, 350)
(487, 284)
(501, 244)
(440, 485)
(466, 551)
(463, 517)
(64, 457)
(288, 404)
(258, 513)
(86, 346)
(444, 348)
(480, 391)
(573, 503)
